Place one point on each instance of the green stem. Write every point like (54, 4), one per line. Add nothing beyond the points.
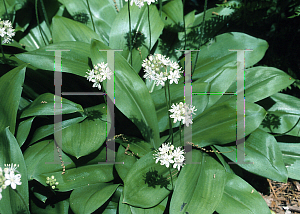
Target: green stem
(160, 8)
(87, 1)
(45, 15)
(130, 42)
(3, 56)
(149, 28)
(25, 204)
(180, 132)
(202, 28)
(168, 107)
(5, 8)
(168, 85)
(38, 21)
(184, 26)
(171, 177)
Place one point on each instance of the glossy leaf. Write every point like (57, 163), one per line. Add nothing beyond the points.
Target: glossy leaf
(291, 158)
(10, 90)
(240, 197)
(217, 125)
(65, 29)
(119, 35)
(10, 153)
(132, 97)
(200, 186)
(262, 149)
(23, 130)
(89, 198)
(74, 61)
(38, 154)
(140, 191)
(38, 107)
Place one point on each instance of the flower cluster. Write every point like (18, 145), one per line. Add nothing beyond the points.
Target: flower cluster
(140, 3)
(100, 73)
(6, 31)
(182, 112)
(167, 155)
(160, 68)
(52, 182)
(9, 177)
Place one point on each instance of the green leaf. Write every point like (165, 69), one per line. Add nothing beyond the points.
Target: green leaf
(65, 29)
(262, 149)
(47, 130)
(89, 198)
(200, 186)
(158, 209)
(74, 61)
(61, 207)
(131, 94)
(10, 90)
(262, 82)
(240, 197)
(218, 53)
(173, 11)
(217, 125)
(287, 109)
(177, 95)
(103, 13)
(37, 107)
(291, 158)
(83, 138)
(139, 22)
(38, 154)
(139, 191)
(23, 130)
(13, 201)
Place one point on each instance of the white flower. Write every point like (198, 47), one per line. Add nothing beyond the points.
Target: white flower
(100, 73)
(159, 68)
(6, 31)
(168, 155)
(182, 112)
(140, 3)
(12, 179)
(52, 182)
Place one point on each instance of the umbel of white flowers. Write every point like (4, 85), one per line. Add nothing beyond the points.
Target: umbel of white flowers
(100, 73)
(182, 112)
(160, 68)
(9, 178)
(167, 154)
(140, 3)
(6, 31)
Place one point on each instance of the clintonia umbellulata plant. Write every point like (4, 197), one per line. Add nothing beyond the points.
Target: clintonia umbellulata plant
(149, 139)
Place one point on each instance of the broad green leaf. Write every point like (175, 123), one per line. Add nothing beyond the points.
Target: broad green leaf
(132, 97)
(119, 35)
(262, 149)
(89, 198)
(36, 39)
(102, 12)
(200, 186)
(74, 61)
(83, 138)
(38, 107)
(240, 197)
(288, 111)
(11, 6)
(172, 14)
(262, 82)
(10, 90)
(65, 29)
(10, 153)
(158, 209)
(139, 191)
(177, 95)
(37, 155)
(217, 125)
(125, 162)
(47, 130)
(218, 53)
(291, 158)
(23, 130)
